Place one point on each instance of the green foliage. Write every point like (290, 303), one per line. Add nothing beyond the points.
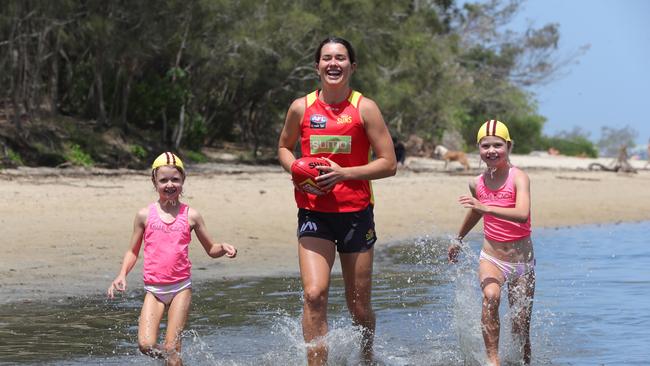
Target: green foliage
(47, 156)
(197, 131)
(572, 143)
(232, 68)
(512, 107)
(195, 156)
(526, 132)
(571, 146)
(139, 152)
(14, 157)
(77, 156)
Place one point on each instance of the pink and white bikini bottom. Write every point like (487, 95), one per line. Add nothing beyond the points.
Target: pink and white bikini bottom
(166, 293)
(511, 271)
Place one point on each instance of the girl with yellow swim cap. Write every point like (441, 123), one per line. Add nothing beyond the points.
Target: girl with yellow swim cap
(165, 227)
(501, 196)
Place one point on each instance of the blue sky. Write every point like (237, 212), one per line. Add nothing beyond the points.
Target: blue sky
(610, 84)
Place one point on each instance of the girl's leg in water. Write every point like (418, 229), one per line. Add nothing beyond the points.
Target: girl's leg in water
(149, 324)
(176, 319)
(520, 297)
(491, 279)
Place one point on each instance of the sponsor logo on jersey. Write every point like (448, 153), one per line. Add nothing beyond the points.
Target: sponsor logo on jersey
(317, 121)
(344, 119)
(330, 144)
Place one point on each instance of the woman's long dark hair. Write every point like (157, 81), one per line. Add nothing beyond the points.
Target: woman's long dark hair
(345, 43)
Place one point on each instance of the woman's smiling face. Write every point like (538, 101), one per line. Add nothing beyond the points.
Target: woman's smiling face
(334, 66)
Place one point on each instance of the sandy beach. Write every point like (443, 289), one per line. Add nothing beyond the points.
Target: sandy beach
(65, 232)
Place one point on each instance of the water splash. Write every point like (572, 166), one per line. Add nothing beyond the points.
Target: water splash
(428, 312)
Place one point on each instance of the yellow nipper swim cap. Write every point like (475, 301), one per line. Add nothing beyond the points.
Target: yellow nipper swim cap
(493, 128)
(167, 158)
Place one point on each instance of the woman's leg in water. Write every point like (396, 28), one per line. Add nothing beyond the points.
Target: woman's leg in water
(316, 257)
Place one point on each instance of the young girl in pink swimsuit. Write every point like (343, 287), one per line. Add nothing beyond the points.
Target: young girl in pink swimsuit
(501, 196)
(165, 228)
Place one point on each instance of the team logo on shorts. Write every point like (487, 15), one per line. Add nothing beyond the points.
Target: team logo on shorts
(317, 121)
(308, 226)
(370, 235)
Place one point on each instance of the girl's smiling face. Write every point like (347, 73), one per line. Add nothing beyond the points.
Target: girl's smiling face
(168, 182)
(334, 66)
(494, 151)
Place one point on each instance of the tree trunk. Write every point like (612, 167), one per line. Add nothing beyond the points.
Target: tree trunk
(252, 124)
(112, 113)
(35, 96)
(178, 132)
(125, 95)
(53, 85)
(19, 108)
(125, 105)
(23, 105)
(180, 128)
(164, 127)
(17, 112)
(99, 91)
(7, 104)
(13, 89)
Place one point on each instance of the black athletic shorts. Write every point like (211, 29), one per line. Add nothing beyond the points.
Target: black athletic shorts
(352, 232)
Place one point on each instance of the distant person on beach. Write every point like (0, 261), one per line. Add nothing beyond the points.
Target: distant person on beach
(165, 227)
(501, 196)
(622, 163)
(400, 151)
(343, 127)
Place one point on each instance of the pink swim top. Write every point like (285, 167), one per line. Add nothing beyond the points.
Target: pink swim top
(166, 259)
(495, 228)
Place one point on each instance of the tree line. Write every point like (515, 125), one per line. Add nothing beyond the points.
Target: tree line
(198, 73)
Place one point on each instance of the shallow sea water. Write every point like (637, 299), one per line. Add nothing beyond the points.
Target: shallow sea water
(591, 308)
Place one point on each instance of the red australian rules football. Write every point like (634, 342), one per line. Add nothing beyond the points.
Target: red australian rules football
(304, 172)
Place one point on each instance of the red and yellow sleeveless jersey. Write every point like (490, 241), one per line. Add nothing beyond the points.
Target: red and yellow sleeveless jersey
(336, 132)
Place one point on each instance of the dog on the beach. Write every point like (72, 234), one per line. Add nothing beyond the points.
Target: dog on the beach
(441, 152)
